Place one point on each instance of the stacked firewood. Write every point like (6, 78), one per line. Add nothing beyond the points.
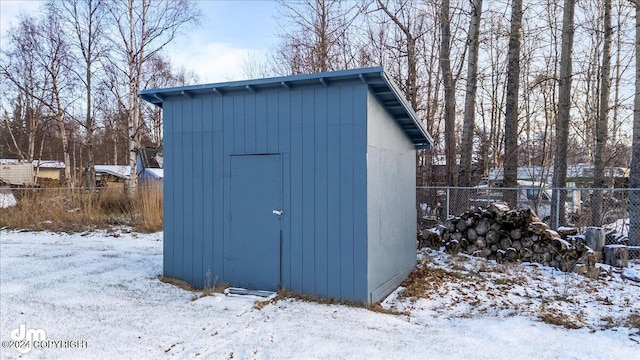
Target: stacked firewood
(504, 235)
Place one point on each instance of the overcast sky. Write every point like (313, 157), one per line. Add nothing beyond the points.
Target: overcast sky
(230, 31)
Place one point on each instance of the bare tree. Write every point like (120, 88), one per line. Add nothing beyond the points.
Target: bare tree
(160, 73)
(634, 176)
(315, 36)
(141, 30)
(20, 70)
(563, 120)
(492, 85)
(51, 57)
(400, 37)
(86, 19)
(55, 60)
(511, 110)
(602, 127)
(449, 94)
(466, 143)
(410, 38)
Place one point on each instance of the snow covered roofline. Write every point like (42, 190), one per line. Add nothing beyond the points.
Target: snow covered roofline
(49, 164)
(376, 78)
(115, 170)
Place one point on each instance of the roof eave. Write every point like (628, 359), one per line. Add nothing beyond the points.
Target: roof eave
(428, 144)
(421, 139)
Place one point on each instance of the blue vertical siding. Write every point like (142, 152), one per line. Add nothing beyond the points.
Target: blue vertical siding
(281, 114)
(334, 127)
(261, 133)
(308, 193)
(360, 264)
(320, 204)
(321, 134)
(347, 185)
(239, 124)
(272, 120)
(207, 186)
(168, 189)
(250, 141)
(187, 191)
(197, 184)
(216, 207)
(293, 105)
(178, 196)
(229, 137)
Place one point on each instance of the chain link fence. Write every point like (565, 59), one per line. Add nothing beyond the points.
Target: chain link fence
(580, 208)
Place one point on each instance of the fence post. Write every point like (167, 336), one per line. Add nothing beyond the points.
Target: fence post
(448, 200)
(556, 219)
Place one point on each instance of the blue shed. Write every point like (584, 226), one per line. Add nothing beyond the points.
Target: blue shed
(303, 182)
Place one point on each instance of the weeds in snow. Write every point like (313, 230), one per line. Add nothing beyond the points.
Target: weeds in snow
(81, 209)
(454, 286)
(285, 295)
(207, 291)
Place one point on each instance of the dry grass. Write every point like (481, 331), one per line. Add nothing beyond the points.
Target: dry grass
(557, 318)
(208, 291)
(177, 282)
(148, 204)
(634, 321)
(424, 280)
(80, 209)
(285, 294)
(197, 294)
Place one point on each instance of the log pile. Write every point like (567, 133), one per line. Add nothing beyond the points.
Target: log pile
(505, 235)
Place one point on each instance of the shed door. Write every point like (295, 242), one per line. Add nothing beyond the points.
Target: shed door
(252, 250)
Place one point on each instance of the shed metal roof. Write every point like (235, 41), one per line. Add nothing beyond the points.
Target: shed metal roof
(376, 78)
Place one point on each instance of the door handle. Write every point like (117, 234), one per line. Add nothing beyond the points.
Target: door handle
(278, 212)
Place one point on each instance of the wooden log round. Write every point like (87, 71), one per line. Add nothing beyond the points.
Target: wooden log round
(492, 237)
(450, 224)
(616, 255)
(526, 252)
(538, 227)
(516, 244)
(482, 227)
(470, 221)
(472, 235)
(453, 247)
(505, 242)
(511, 254)
(539, 249)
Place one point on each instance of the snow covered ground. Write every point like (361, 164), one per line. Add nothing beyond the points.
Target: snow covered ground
(102, 289)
